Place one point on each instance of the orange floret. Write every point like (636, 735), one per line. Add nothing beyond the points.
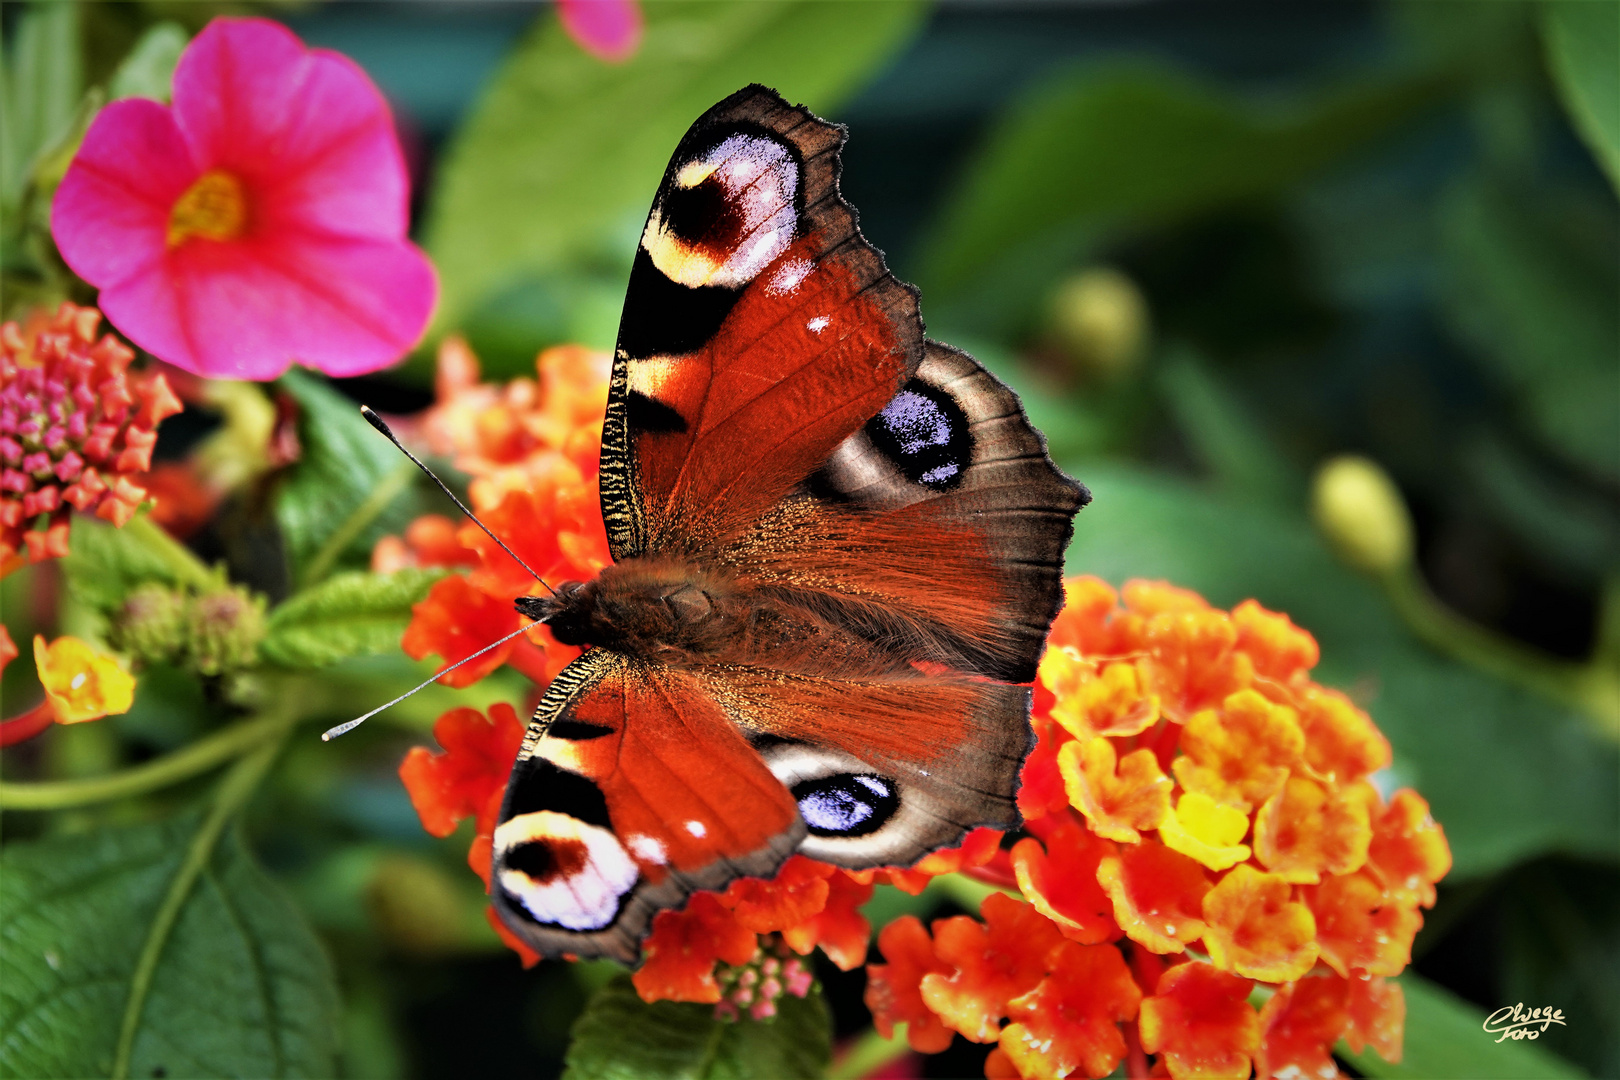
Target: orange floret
(1299, 1026)
(1240, 753)
(455, 621)
(1257, 929)
(1069, 1024)
(892, 988)
(478, 754)
(1377, 1017)
(1191, 661)
(1305, 831)
(991, 963)
(839, 927)
(681, 951)
(796, 893)
(1362, 930)
(1041, 784)
(1060, 879)
(1201, 1021)
(1409, 852)
(1120, 798)
(1085, 622)
(1279, 649)
(1157, 895)
(1092, 702)
(1341, 743)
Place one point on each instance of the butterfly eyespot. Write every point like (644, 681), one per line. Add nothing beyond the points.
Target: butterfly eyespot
(846, 804)
(924, 432)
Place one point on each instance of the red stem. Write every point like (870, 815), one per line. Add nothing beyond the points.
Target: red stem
(1136, 1062)
(27, 725)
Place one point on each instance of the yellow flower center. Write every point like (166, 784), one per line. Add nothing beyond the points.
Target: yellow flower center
(213, 208)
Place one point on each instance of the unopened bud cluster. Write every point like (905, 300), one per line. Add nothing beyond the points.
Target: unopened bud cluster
(212, 632)
(754, 988)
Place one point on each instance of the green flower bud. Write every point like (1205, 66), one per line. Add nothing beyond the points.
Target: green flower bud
(150, 625)
(223, 630)
(1098, 319)
(1360, 511)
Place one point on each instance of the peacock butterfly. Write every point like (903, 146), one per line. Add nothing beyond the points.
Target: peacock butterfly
(837, 552)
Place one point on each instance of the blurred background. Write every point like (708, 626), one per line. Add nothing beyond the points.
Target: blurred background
(1214, 244)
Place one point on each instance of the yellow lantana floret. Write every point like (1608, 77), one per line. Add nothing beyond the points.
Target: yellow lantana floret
(1203, 829)
(81, 683)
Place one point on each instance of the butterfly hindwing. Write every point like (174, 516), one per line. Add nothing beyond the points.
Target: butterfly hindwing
(615, 808)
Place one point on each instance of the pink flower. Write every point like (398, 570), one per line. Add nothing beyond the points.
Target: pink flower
(609, 29)
(259, 222)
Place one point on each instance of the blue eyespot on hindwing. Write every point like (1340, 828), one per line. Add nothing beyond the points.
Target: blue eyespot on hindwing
(846, 804)
(924, 432)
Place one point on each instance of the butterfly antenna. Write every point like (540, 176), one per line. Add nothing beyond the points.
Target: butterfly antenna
(377, 422)
(332, 733)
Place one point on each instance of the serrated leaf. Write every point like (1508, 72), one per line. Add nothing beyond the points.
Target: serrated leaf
(343, 461)
(1508, 773)
(1583, 51)
(242, 987)
(1531, 285)
(1445, 1037)
(105, 563)
(561, 158)
(621, 1037)
(1091, 150)
(351, 614)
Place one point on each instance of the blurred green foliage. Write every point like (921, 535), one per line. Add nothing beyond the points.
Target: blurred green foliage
(1404, 243)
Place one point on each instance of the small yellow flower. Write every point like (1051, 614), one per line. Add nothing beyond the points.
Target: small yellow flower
(81, 683)
(1203, 829)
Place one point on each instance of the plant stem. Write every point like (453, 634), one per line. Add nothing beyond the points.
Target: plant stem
(1592, 688)
(321, 563)
(187, 568)
(868, 1053)
(233, 791)
(199, 757)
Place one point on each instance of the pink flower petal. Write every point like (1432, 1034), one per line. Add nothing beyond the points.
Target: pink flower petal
(610, 29)
(110, 216)
(249, 309)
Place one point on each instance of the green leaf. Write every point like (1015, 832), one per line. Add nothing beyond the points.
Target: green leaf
(1228, 441)
(1507, 772)
(40, 88)
(621, 1037)
(1093, 150)
(105, 563)
(148, 70)
(1583, 51)
(352, 614)
(242, 987)
(1446, 1037)
(344, 461)
(1531, 283)
(560, 161)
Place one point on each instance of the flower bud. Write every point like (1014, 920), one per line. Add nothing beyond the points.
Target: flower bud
(1360, 511)
(151, 625)
(1098, 319)
(224, 630)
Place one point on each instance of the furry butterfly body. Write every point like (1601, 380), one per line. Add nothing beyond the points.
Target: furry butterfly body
(837, 546)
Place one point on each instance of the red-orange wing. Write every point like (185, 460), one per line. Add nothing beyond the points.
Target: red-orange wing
(632, 790)
(759, 331)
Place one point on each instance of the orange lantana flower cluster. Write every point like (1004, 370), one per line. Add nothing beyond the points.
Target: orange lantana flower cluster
(1201, 823)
